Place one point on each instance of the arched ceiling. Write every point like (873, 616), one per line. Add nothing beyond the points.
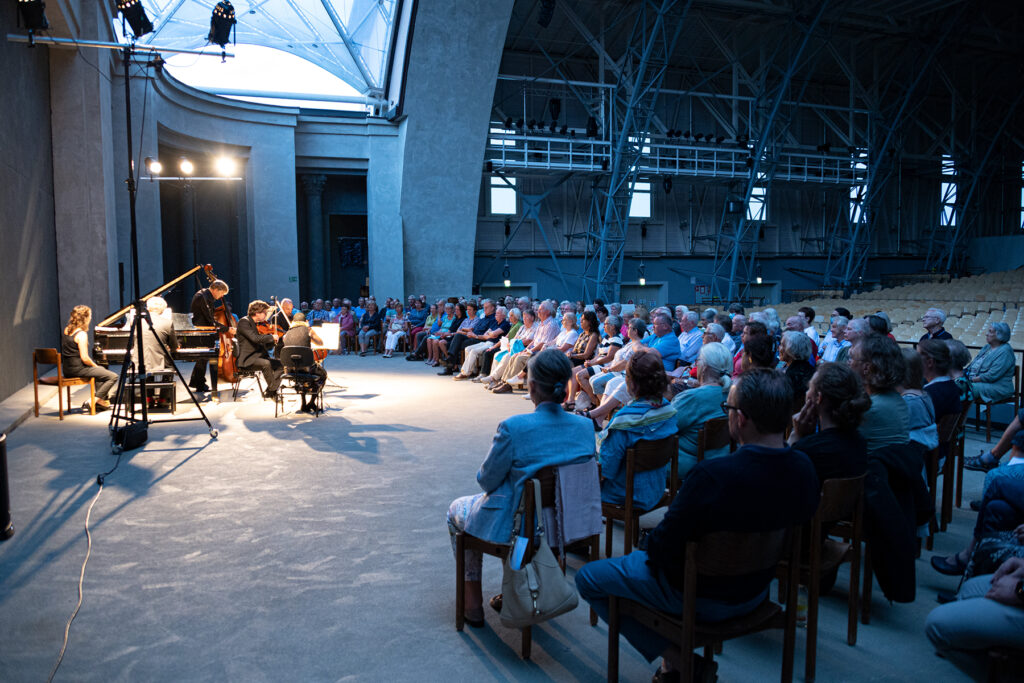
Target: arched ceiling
(349, 38)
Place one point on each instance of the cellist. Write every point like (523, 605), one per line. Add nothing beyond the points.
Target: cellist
(254, 348)
(203, 304)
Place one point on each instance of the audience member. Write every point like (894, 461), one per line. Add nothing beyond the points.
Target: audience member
(808, 313)
(932, 320)
(689, 338)
(935, 360)
(318, 315)
(920, 411)
(648, 417)
(856, 330)
(752, 329)
(477, 330)
(992, 370)
(523, 445)
(696, 406)
(795, 354)
(397, 327)
(604, 382)
(879, 362)
(758, 352)
(662, 340)
(437, 343)
(586, 342)
(546, 336)
(487, 340)
(960, 358)
(370, 325)
(609, 346)
(835, 344)
(764, 486)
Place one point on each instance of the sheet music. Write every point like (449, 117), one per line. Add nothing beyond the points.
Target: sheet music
(330, 334)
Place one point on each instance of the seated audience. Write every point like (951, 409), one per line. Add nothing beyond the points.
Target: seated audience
(752, 329)
(989, 460)
(991, 372)
(318, 315)
(856, 330)
(835, 342)
(795, 353)
(826, 427)
(445, 313)
(696, 406)
(437, 345)
(397, 327)
(879, 362)
(604, 382)
(586, 342)
(739, 321)
(759, 352)
(517, 342)
(369, 326)
(476, 330)
(764, 486)
(689, 339)
(988, 613)
(417, 315)
(960, 358)
(549, 334)
(920, 411)
(935, 360)
(648, 417)
(605, 355)
(665, 343)
(808, 313)
(523, 446)
(485, 342)
(347, 327)
(932, 320)
(75, 360)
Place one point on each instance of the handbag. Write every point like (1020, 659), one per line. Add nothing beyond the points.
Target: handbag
(539, 591)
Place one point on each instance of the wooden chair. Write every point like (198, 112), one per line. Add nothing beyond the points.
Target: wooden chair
(718, 554)
(713, 435)
(52, 357)
(643, 456)
(956, 459)
(842, 501)
(949, 428)
(463, 542)
(978, 403)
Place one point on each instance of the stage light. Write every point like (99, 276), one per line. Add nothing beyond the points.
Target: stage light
(32, 15)
(553, 127)
(519, 124)
(758, 279)
(591, 127)
(185, 166)
(686, 135)
(572, 134)
(134, 13)
(720, 139)
(225, 166)
(508, 123)
(153, 166)
(564, 130)
(532, 124)
(221, 22)
(641, 275)
(507, 276)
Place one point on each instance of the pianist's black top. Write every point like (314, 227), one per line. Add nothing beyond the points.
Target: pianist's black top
(70, 359)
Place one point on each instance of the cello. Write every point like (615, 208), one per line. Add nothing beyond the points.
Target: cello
(269, 328)
(227, 366)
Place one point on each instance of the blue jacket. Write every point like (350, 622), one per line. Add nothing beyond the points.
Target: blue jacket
(667, 346)
(522, 446)
(643, 425)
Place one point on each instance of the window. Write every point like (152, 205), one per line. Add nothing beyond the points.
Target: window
(948, 192)
(858, 192)
(503, 195)
(640, 202)
(757, 207)
(502, 142)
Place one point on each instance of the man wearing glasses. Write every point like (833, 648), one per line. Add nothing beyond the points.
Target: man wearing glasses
(933, 319)
(763, 486)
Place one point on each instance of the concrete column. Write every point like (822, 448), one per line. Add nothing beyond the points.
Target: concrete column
(314, 186)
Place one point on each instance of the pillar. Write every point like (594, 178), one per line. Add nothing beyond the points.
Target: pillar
(314, 186)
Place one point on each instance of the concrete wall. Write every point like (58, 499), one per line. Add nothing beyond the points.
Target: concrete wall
(28, 263)
(456, 48)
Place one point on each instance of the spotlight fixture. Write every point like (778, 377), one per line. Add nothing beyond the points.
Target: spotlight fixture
(720, 139)
(221, 22)
(591, 127)
(32, 15)
(153, 167)
(553, 127)
(520, 123)
(758, 279)
(572, 134)
(532, 124)
(185, 166)
(686, 135)
(506, 275)
(641, 275)
(134, 13)
(225, 166)
(508, 123)
(564, 130)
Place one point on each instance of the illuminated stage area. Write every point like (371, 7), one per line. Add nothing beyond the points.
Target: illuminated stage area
(316, 549)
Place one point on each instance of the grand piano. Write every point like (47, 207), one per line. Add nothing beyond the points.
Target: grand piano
(194, 343)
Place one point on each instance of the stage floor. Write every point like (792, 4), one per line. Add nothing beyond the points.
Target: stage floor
(316, 549)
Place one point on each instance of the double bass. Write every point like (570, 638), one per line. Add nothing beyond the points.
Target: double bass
(227, 366)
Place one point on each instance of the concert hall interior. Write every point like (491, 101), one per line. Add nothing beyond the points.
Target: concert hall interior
(306, 294)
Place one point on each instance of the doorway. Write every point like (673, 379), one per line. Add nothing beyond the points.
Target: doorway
(349, 264)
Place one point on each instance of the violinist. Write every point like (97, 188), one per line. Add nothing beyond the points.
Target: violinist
(301, 334)
(254, 347)
(204, 303)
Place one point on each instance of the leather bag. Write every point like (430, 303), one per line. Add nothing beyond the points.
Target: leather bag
(538, 591)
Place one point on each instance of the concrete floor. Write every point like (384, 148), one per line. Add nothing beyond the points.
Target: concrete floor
(316, 549)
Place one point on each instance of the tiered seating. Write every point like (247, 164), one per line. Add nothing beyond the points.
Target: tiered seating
(971, 303)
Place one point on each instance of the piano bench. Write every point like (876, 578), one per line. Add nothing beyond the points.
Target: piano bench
(159, 385)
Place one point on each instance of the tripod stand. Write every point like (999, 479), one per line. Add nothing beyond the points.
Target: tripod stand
(134, 375)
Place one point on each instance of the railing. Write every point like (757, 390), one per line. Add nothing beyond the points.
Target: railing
(513, 152)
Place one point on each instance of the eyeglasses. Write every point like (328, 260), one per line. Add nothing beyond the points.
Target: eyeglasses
(726, 407)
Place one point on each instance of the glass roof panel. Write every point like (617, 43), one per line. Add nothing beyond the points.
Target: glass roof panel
(348, 38)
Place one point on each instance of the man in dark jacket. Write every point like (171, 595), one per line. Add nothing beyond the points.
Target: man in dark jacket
(203, 304)
(763, 486)
(254, 348)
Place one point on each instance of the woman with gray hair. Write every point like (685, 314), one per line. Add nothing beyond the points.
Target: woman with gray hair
(696, 406)
(991, 371)
(606, 351)
(795, 354)
(523, 445)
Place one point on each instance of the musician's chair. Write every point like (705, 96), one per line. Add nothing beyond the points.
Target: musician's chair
(52, 357)
(299, 376)
(246, 373)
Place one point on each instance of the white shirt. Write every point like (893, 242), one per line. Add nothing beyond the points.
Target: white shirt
(565, 337)
(689, 345)
(812, 333)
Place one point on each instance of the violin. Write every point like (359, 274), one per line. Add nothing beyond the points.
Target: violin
(268, 328)
(227, 366)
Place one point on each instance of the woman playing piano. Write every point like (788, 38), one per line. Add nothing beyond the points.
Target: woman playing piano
(75, 359)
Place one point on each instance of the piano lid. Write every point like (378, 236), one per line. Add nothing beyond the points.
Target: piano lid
(162, 288)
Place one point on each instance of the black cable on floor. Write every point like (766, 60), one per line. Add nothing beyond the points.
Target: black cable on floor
(81, 577)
